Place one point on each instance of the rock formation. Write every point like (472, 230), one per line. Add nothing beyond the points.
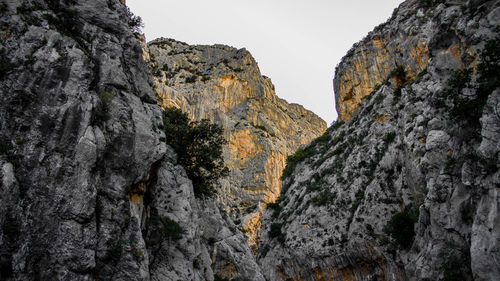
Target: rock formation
(407, 187)
(409, 39)
(224, 85)
(89, 191)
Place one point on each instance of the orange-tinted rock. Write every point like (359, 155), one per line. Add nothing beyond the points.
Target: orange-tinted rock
(224, 85)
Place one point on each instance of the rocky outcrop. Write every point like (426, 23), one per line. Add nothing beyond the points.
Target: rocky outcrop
(89, 191)
(409, 39)
(407, 187)
(205, 243)
(224, 84)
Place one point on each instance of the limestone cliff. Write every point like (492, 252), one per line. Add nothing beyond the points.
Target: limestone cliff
(409, 39)
(407, 187)
(224, 84)
(89, 191)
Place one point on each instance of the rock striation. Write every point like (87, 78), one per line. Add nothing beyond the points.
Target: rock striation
(224, 85)
(89, 191)
(409, 39)
(406, 186)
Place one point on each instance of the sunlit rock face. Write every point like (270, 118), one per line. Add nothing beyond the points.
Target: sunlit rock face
(224, 84)
(88, 188)
(410, 38)
(407, 187)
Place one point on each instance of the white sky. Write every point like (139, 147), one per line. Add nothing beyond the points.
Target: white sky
(297, 43)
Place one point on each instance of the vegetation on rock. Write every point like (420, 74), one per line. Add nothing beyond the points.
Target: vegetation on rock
(401, 227)
(5, 65)
(462, 105)
(399, 73)
(199, 148)
(100, 113)
(134, 22)
(430, 3)
(275, 232)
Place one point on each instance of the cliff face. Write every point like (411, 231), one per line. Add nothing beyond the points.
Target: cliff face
(409, 39)
(407, 187)
(89, 191)
(224, 84)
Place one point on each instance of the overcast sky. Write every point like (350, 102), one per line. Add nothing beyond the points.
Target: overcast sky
(297, 43)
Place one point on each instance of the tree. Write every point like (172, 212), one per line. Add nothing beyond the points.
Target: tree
(199, 149)
(134, 22)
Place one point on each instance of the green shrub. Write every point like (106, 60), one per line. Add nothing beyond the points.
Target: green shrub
(24, 9)
(399, 73)
(164, 228)
(10, 228)
(276, 207)
(65, 20)
(322, 199)
(100, 113)
(300, 155)
(171, 228)
(5, 65)
(337, 139)
(489, 68)
(191, 79)
(114, 251)
(338, 150)
(275, 232)
(460, 107)
(199, 149)
(134, 22)
(313, 186)
(3, 8)
(430, 3)
(337, 124)
(137, 253)
(323, 139)
(469, 108)
(379, 99)
(5, 145)
(401, 227)
(397, 96)
(358, 197)
(390, 137)
(456, 263)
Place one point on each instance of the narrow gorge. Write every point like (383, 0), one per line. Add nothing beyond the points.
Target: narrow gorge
(403, 186)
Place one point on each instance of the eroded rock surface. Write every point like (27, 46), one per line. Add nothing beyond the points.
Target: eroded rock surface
(410, 38)
(89, 191)
(224, 84)
(412, 149)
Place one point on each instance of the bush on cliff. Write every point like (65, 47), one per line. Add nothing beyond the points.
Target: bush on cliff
(199, 148)
(134, 22)
(100, 112)
(401, 227)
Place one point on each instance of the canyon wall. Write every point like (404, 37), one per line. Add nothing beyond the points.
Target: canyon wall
(409, 39)
(405, 185)
(224, 85)
(89, 189)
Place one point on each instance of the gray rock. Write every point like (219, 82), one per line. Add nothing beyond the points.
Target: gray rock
(224, 85)
(397, 150)
(83, 179)
(437, 139)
